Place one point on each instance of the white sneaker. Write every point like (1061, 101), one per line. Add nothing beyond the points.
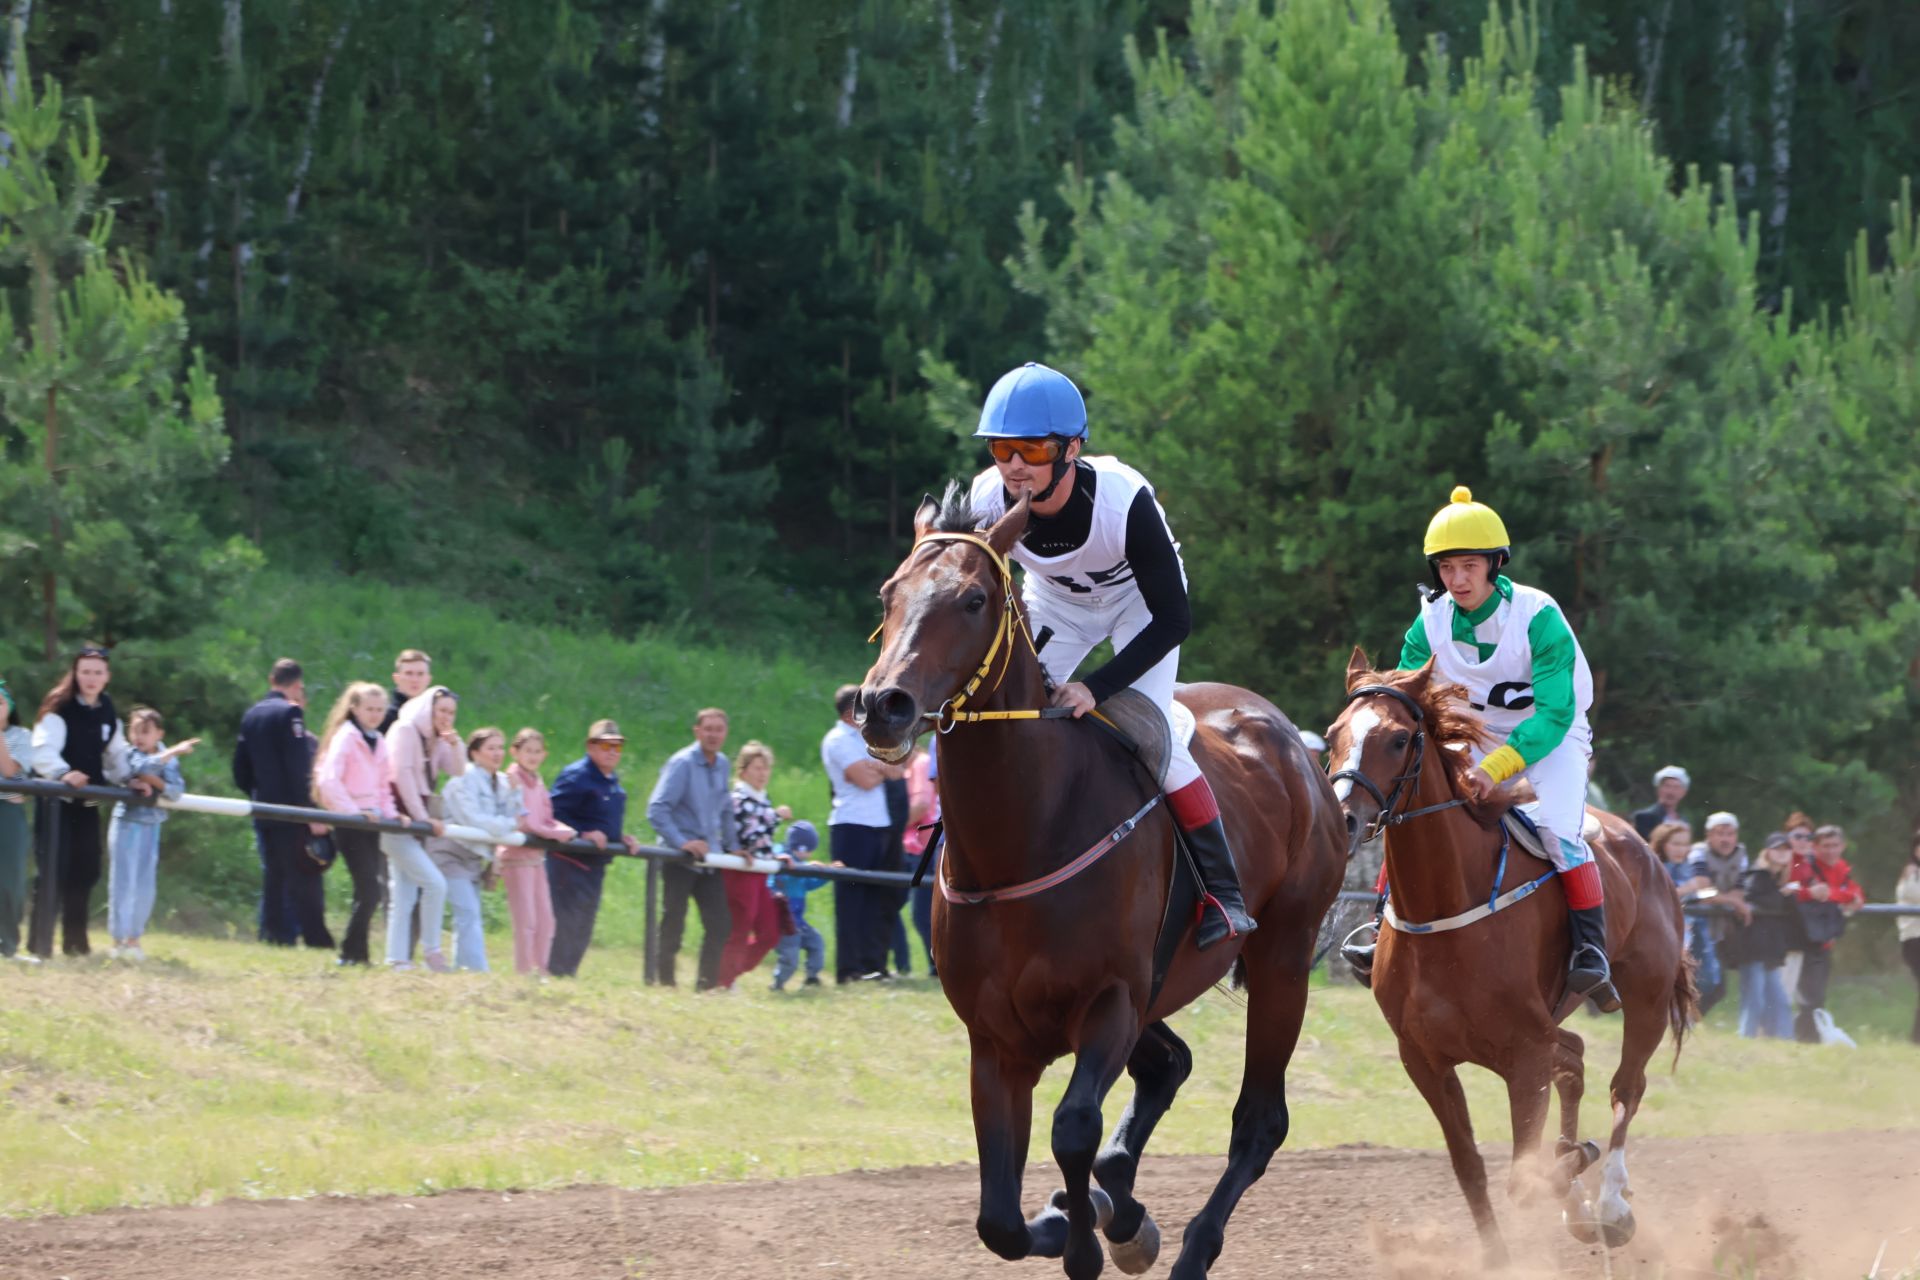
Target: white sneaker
(24, 957)
(116, 952)
(133, 953)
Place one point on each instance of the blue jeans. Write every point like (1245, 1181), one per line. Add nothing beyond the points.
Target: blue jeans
(1764, 1007)
(412, 877)
(787, 950)
(1711, 982)
(469, 939)
(133, 851)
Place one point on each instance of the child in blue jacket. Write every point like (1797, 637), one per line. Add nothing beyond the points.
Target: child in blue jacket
(802, 839)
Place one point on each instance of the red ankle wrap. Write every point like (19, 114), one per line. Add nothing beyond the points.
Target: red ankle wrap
(1193, 805)
(1582, 886)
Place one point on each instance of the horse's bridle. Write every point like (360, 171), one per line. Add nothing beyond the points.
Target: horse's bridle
(1013, 627)
(1407, 782)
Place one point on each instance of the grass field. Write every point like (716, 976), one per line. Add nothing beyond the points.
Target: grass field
(225, 1069)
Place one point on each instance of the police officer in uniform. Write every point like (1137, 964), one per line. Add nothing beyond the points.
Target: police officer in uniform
(273, 764)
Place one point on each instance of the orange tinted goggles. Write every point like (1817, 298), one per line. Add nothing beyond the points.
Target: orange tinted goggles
(1037, 453)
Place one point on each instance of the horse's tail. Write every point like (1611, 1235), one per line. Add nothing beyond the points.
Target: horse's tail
(1683, 1007)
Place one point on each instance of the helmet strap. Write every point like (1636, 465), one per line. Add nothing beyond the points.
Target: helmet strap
(1061, 465)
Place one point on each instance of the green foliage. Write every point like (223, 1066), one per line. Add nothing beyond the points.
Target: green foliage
(1332, 290)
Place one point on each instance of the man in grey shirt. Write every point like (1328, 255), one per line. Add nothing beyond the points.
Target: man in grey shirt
(692, 809)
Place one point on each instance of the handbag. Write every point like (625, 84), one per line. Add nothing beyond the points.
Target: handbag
(322, 851)
(1822, 922)
(789, 927)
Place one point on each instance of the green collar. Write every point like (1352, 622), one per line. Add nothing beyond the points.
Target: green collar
(1502, 590)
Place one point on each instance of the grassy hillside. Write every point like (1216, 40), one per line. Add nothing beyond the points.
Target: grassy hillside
(778, 688)
(228, 1069)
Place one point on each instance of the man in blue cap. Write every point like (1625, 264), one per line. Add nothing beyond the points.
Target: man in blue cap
(1101, 564)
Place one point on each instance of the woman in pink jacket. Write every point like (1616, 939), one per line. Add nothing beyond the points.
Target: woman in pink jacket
(350, 776)
(523, 869)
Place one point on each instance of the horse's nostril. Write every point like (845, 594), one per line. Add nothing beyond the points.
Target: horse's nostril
(894, 708)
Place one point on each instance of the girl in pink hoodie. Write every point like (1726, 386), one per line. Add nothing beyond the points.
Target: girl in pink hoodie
(421, 745)
(350, 776)
(523, 869)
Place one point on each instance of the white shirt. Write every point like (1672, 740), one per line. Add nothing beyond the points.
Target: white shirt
(1095, 573)
(853, 806)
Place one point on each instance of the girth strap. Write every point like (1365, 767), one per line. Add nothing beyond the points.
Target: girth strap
(1100, 849)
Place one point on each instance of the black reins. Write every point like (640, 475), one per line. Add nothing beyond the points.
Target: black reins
(1407, 782)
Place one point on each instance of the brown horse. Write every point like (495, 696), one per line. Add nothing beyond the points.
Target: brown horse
(1066, 967)
(1491, 993)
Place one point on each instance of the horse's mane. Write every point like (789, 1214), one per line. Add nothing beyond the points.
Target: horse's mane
(956, 513)
(1450, 723)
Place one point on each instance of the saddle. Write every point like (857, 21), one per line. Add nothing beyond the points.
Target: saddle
(1132, 717)
(1525, 832)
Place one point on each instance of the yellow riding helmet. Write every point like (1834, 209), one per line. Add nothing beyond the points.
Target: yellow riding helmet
(1466, 527)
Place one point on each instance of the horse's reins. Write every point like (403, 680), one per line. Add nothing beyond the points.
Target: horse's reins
(1407, 782)
(1013, 627)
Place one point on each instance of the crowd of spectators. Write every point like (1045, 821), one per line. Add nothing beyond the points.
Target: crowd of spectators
(1776, 917)
(398, 755)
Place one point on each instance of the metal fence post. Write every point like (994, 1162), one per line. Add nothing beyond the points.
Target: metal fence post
(650, 947)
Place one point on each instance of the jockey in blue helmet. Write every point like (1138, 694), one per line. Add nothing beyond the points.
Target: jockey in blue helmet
(1101, 564)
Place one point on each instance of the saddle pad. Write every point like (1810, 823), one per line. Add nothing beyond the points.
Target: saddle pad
(1136, 719)
(1526, 832)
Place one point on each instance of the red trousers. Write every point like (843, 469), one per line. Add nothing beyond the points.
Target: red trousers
(756, 923)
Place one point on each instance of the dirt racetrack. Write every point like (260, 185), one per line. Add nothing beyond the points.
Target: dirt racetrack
(1799, 1205)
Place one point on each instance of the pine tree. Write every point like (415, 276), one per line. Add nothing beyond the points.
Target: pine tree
(109, 426)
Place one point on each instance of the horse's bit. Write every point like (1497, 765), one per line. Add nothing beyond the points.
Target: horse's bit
(1407, 782)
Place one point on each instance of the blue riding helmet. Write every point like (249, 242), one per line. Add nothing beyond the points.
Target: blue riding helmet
(1031, 403)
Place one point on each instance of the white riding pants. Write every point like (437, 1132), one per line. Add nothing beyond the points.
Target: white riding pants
(1560, 782)
(1078, 627)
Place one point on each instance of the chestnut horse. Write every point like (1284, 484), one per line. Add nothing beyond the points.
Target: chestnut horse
(1492, 992)
(1063, 965)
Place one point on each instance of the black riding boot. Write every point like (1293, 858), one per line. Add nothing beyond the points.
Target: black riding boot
(1226, 915)
(1588, 973)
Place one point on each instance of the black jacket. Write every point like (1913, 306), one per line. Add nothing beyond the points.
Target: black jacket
(1645, 820)
(1775, 927)
(273, 756)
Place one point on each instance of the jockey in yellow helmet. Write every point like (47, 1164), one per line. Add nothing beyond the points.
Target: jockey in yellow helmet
(1510, 647)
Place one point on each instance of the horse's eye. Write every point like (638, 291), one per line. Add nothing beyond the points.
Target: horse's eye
(976, 601)
(1400, 741)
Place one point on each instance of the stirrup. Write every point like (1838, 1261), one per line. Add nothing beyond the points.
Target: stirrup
(1217, 923)
(1359, 955)
(1593, 984)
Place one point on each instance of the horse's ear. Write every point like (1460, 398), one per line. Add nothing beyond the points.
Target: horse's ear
(924, 516)
(1358, 668)
(1422, 678)
(1007, 529)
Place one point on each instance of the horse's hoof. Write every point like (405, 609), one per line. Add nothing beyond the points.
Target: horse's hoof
(1585, 1154)
(1580, 1223)
(1102, 1205)
(1616, 1234)
(1138, 1254)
